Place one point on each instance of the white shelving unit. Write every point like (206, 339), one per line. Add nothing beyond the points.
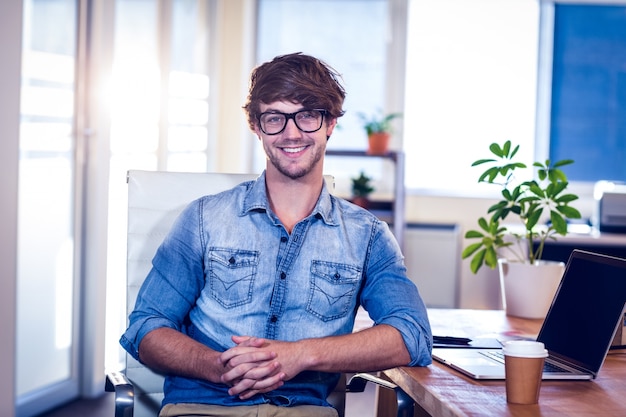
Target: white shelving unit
(393, 211)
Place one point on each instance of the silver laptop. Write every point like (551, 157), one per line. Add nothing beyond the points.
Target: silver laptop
(579, 327)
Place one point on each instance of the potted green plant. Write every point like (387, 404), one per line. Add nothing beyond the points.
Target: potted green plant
(361, 189)
(378, 128)
(529, 201)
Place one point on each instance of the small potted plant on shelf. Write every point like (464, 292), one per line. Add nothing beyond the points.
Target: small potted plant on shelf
(378, 129)
(528, 201)
(361, 189)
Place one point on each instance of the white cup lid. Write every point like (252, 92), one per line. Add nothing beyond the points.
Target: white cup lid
(525, 349)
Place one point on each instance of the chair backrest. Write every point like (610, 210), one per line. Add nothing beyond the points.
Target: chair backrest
(155, 199)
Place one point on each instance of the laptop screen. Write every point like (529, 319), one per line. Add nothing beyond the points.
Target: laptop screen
(589, 303)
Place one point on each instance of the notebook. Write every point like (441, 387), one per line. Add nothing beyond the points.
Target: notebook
(578, 329)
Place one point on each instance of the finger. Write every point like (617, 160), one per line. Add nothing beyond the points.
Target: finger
(249, 341)
(262, 371)
(246, 388)
(257, 378)
(250, 393)
(240, 339)
(236, 375)
(236, 356)
(267, 384)
(252, 371)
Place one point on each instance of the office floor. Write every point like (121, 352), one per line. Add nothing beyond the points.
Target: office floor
(357, 405)
(98, 407)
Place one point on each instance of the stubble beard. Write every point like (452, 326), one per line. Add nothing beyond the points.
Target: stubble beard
(296, 170)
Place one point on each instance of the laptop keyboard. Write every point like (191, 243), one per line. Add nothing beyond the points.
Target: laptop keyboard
(547, 367)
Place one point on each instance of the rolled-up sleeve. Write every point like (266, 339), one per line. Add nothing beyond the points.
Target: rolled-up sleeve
(391, 298)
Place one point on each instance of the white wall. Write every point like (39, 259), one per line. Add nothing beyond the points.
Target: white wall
(10, 51)
(475, 291)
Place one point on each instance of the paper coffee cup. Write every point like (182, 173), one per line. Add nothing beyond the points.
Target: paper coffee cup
(523, 362)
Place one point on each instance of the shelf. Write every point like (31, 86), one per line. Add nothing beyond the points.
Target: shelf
(391, 212)
(393, 155)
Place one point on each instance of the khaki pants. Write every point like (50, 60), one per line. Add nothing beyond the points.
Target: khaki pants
(262, 410)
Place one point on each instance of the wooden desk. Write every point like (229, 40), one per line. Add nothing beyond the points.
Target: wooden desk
(441, 391)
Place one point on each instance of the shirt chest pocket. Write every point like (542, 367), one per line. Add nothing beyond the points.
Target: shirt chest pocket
(231, 275)
(333, 288)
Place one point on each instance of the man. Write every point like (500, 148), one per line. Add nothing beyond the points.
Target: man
(251, 301)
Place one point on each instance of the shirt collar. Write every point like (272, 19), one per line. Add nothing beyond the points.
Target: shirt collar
(256, 199)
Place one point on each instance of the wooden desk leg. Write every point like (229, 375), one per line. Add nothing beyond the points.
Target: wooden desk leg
(387, 403)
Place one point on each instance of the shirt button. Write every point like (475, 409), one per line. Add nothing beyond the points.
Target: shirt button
(274, 319)
(283, 239)
(283, 275)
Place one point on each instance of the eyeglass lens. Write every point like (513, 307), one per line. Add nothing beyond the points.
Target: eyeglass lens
(308, 121)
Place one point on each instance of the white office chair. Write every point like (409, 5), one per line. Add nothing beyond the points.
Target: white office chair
(154, 201)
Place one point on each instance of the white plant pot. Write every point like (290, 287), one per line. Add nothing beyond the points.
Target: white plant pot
(528, 289)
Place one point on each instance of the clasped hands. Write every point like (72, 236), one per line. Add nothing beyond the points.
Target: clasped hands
(255, 365)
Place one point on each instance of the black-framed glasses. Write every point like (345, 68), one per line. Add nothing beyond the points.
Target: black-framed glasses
(308, 121)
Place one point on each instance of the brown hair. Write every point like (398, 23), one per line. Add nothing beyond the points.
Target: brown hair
(296, 78)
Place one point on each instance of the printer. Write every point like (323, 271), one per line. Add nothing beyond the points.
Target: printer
(610, 210)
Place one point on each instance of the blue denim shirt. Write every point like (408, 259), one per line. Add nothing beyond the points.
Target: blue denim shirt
(229, 267)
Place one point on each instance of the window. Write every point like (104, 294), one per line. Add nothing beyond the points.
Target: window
(588, 118)
(159, 96)
(48, 236)
(471, 80)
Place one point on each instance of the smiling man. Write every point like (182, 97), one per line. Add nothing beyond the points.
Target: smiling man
(249, 307)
